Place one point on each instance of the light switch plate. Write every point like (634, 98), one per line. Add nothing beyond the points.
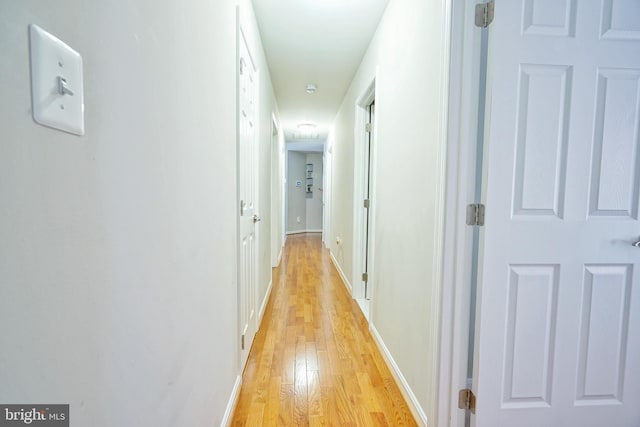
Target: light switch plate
(56, 83)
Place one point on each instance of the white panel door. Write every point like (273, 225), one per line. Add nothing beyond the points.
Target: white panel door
(558, 328)
(248, 195)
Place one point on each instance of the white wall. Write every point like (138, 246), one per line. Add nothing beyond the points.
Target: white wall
(117, 249)
(406, 58)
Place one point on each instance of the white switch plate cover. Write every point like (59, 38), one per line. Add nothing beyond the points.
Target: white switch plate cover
(52, 59)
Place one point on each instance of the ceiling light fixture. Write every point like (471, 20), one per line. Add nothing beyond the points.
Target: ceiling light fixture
(306, 127)
(311, 88)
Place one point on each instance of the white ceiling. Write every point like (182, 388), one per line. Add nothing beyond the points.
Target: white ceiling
(314, 41)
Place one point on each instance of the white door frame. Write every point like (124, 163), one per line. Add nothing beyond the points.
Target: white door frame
(464, 83)
(326, 191)
(360, 139)
(276, 193)
(282, 152)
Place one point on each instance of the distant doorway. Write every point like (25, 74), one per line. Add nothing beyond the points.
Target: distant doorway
(304, 192)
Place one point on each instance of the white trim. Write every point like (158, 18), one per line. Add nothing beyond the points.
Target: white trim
(303, 231)
(327, 173)
(373, 186)
(441, 273)
(365, 308)
(274, 175)
(282, 152)
(341, 273)
(231, 405)
(265, 301)
(359, 138)
(280, 256)
(403, 385)
(464, 74)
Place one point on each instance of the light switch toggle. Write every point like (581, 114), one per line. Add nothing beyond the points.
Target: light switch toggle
(63, 89)
(57, 95)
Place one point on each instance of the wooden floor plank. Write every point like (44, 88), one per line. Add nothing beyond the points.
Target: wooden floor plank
(314, 396)
(313, 361)
(285, 407)
(272, 408)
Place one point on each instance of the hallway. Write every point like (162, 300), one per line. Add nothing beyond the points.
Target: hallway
(313, 361)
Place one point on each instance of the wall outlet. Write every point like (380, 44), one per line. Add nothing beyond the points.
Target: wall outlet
(338, 240)
(299, 220)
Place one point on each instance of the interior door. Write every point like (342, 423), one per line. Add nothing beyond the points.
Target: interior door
(558, 328)
(247, 194)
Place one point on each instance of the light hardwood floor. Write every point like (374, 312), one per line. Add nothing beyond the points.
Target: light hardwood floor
(313, 361)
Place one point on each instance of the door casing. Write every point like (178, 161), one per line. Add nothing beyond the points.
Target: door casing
(464, 47)
(360, 166)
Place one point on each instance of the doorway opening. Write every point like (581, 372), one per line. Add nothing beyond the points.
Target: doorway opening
(364, 200)
(277, 199)
(304, 176)
(326, 193)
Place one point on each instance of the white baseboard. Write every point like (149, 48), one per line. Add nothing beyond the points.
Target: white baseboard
(406, 391)
(346, 282)
(233, 401)
(279, 260)
(364, 306)
(265, 300)
(303, 231)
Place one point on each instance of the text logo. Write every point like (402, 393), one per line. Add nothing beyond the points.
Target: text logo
(34, 415)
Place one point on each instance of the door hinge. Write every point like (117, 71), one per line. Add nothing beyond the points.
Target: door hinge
(242, 340)
(467, 400)
(475, 214)
(366, 203)
(367, 127)
(484, 14)
(365, 277)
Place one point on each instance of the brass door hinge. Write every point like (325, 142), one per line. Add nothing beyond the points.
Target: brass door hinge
(467, 400)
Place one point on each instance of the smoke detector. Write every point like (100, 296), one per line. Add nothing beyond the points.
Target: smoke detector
(311, 88)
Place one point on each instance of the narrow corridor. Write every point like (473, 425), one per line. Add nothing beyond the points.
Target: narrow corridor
(313, 361)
